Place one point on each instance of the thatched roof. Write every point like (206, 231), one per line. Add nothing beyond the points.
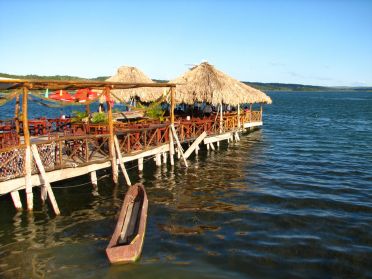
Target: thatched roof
(205, 83)
(133, 75)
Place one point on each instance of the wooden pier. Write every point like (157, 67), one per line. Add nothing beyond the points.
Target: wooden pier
(37, 159)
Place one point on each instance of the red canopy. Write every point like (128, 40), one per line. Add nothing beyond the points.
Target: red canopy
(61, 95)
(83, 95)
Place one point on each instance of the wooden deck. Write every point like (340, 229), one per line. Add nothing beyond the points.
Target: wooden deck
(83, 151)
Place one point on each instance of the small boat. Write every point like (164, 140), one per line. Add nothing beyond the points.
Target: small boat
(126, 243)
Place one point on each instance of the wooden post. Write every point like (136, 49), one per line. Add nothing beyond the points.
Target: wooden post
(16, 114)
(114, 166)
(218, 144)
(172, 105)
(140, 164)
(195, 144)
(93, 178)
(178, 144)
(212, 146)
(16, 200)
(28, 159)
(165, 158)
(171, 147)
(45, 181)
(158, 159)
(250, 112)
(261, 111)
(221, 118)
(121, 163)
(238, 117)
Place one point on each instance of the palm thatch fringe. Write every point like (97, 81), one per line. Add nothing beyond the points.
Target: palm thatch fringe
(204, 83)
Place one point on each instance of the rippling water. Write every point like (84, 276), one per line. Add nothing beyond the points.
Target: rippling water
(292, 200)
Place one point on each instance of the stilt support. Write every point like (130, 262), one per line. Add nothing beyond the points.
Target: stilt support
(117, 147)
(44, 178)
(16, 200)
(93, 178)
(140, 164)
(171, 148)
(178, 145)
(165, 158)
(195, 145)
(158, 159)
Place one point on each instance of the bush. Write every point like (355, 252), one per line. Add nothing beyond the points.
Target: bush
(99, 117)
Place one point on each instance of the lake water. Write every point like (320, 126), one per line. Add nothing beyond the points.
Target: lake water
(291, 200)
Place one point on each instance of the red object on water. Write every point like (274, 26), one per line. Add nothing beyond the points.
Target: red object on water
(83, 95)
(61, 95)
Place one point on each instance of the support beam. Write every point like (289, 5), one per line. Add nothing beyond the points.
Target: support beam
(114, 166)
(16, 114)
(121, 163)
(171, 147)
(195, 145)
(178, 144)
(239, 124)
(93, 178)
(212, 146)
(260, 111)
(158, 159)
(197, 150)
(218, 144)
(16, 200)
(28, 159)
(165, 158)
(46, 183)
(237, 138)
(140, 164)
(172, 105)
(250, 112)
(221, 118)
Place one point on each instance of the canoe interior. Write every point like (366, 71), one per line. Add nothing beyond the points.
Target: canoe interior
(131, 223)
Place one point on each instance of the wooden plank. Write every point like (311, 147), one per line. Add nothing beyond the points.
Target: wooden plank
(178, 144)
(252, 124)
(216, 138)
(194, 145)
(16, 200)
(121, 163)
(46, 183)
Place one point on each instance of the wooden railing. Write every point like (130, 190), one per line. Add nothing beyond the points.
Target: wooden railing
(86, 144)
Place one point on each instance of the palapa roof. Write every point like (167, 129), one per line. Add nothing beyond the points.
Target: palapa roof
(134, 75)
(204, 83)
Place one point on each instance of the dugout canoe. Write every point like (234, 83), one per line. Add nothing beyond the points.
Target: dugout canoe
(126, 242)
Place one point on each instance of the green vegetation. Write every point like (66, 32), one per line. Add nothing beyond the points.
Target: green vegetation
(79, 116)
(99, 117)
(155, 111)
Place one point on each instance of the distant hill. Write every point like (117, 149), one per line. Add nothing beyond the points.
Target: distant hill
(259, 85)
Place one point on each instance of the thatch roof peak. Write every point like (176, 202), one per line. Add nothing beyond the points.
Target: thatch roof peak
(134, 75)
(205, 83)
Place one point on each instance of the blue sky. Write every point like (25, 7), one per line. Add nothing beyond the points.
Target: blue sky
(308, 42)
